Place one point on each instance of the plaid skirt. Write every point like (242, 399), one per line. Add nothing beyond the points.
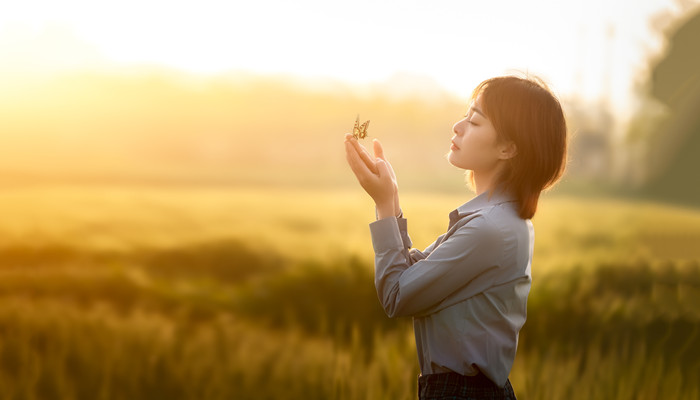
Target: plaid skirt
(453, 386)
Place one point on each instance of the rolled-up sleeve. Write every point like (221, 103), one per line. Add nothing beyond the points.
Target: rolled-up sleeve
(406, 288)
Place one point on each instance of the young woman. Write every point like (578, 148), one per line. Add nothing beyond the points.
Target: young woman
(467, 292)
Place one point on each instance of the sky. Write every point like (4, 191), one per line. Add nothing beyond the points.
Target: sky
(589, 48)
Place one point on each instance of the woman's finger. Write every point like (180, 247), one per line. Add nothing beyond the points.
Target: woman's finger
(379, 153)
(378, 150)
(357, 164)
(383, 169)
(363, 153)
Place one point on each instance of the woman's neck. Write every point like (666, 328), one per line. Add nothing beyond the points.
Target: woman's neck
(485, 181)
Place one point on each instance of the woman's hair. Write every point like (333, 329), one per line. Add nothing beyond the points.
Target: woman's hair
(526, 112)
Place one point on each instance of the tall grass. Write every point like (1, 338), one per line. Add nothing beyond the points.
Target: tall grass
(209, 313)
(70, 344)
(54, 351)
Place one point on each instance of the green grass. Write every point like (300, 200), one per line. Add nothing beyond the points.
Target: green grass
(119, 293)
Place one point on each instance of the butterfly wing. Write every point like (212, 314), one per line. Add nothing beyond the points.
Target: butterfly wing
(363, 129)
(356, 128)
(360, 131)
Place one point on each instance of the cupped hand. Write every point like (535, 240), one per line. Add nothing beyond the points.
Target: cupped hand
(374, 175)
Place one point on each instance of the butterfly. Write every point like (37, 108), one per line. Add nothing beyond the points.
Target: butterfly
(360, 131)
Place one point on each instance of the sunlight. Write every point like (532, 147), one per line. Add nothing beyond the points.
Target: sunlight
(456, 43)
(174, 89)
(178, 200)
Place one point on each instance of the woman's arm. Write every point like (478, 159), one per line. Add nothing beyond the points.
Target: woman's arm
(412, 283)
(465, 261)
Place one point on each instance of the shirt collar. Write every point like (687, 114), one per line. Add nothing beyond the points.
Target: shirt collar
(480, 202)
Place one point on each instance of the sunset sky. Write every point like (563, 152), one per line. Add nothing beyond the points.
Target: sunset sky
(452, 43)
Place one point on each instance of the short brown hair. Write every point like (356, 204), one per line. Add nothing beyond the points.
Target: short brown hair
(526, 112)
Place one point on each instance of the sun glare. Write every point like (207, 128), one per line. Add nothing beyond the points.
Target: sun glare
(580, 46)
(107, 79)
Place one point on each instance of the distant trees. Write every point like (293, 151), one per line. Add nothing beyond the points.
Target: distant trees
(673, 146)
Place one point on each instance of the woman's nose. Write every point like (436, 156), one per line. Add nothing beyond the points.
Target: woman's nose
(457, 128)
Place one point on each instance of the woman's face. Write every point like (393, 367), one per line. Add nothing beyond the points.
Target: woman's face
(475, 145)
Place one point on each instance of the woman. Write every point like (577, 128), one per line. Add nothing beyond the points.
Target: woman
(467, 292)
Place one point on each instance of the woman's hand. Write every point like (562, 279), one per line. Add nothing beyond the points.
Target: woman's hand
(375, 175)
(379, 153)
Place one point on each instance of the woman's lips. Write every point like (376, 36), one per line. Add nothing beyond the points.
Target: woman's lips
(454, 146)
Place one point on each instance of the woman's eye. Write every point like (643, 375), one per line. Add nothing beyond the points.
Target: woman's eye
(469, 117)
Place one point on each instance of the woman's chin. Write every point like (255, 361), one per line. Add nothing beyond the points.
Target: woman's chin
(451, 159)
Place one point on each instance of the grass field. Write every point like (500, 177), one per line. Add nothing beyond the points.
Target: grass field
(249, 293)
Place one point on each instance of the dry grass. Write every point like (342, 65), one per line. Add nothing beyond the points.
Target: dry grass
(124, 293)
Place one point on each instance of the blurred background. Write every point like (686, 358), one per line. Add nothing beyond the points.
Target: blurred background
(260, 93)
(179, 222)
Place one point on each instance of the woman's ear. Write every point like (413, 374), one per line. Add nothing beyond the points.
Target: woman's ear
(508, 150)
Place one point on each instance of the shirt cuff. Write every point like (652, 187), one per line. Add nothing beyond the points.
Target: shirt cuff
(386, 235)
(376, 213)
(403, 230)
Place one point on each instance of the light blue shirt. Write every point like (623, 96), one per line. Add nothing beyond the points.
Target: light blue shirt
(467, 292)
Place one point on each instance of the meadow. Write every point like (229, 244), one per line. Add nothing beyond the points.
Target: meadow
(143, 292)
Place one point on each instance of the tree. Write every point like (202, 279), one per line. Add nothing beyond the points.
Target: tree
(675, 81)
